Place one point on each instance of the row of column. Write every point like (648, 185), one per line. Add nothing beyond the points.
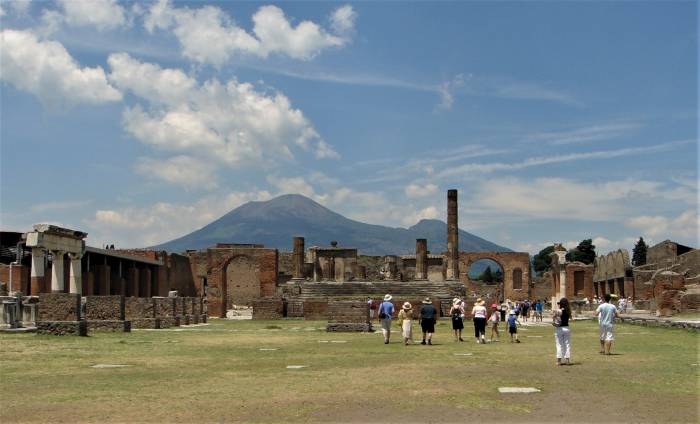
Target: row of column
(75, 279)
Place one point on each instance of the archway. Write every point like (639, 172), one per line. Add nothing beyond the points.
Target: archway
(242, 281)
(515, 268)
(486, 278)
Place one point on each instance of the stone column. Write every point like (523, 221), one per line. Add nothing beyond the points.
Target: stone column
(76, 274)
(57, 281)
(298, 259)
(452, 236)
(38, 280)
(421, 259)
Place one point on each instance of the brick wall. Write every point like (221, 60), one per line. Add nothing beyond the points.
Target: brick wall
(164, 306)
(267, 309)
(348, 311)
(315, 309)
(104, 308)
(20, 277)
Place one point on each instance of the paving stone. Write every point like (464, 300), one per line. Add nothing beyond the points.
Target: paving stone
(109, 366)
(518, 390)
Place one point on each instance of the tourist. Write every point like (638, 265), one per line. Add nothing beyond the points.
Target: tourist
(428, 313)
(629, 303)
(606, 314)
(562, 333)
(538, 310)
(386, 311)
(406, 322)
(525, 309)
(504, 309)
(457, 314)
(495, 317)
(479, 318)
(371, 306)
(513, 327)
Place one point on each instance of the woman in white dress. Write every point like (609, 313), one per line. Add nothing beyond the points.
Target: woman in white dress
(406, 322)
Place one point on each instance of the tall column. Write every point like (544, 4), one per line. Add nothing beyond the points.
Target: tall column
(38, 280)
(298, 258)
(421, 259)
(452, 236)
(76, 274)
(57, 280)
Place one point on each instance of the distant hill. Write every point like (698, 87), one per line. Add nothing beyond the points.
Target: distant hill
(274, 223)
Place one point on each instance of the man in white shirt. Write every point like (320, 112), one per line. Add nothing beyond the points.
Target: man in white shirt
(607, 312)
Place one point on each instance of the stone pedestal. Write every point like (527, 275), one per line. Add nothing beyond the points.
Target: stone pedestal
(59, 314)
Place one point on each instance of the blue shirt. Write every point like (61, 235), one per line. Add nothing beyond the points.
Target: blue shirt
(512, 320)
(387, 307)
(538, 306)
(606, 313)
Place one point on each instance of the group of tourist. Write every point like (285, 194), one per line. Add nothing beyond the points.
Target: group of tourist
(561, 315)
(623, 304)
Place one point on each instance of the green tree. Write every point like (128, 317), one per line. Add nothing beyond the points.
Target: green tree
(541, 262)
(584, 252)
(487, 275)
(498, 276)
(639, 254)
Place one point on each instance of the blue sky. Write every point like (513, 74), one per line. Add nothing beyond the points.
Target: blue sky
(557, 121)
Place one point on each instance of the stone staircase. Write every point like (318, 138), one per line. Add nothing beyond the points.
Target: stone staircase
(377, 289)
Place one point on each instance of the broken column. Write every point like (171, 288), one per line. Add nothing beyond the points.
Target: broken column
(421, 259)
(298, 259)
(452, 236)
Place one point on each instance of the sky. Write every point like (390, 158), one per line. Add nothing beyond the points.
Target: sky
(139, 122)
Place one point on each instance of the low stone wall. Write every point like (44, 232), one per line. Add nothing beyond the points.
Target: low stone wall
(268, 308)
(295, 309)
(149, 323)
(62, 328)
(659, 322)
(138, 308)
(59, 307)
(315, 309)
(348, 316)
(117, 326)
(109, 308)
(165, 306)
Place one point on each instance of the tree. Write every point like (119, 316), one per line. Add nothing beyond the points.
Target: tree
(584, 252)
(541, 262)
(487, 275)
(498, 276)
(639, 254)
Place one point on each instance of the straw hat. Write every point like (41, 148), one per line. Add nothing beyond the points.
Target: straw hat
(427, 301)
(479, 302)
(407, 306)
(456, 301)
(387, 297)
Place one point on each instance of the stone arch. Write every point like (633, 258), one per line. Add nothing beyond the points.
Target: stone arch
(508, 261)
(240, 276)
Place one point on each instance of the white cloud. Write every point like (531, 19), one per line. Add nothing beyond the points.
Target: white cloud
(343, 19)
(683, 228)
(416, 190)
(101, 14)
(58, 205)
(480, 168)
(209, 35)
(182, 170)
(229, 124)
(162, 221)
(47, 70)
(590, 133)
(561, 198)
(293, 185)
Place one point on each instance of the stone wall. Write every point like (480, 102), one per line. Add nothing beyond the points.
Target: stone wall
(164, 306)
(315, 309)
(110, 308)
(511, 263)
(62, 328)
(139, 307)
(348, 316)
(20, 278)
(668, 288)
(268, 308)
(59, 307)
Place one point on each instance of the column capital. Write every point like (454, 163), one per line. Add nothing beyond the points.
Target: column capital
(75, 256)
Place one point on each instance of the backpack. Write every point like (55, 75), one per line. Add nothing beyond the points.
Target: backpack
(456, 314)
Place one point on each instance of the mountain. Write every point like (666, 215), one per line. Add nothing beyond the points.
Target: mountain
(274, 223)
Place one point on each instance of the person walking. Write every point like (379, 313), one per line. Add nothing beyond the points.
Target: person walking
(479, 318)
(406, 322)
(386, 311)
(513, 327)
(371, 306)
(606, 315)
(504, 310)
(562, 333)
(457, 314)
(538, 310)
(493, 320)
(428, 313)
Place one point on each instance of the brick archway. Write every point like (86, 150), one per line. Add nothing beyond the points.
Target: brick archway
(510, 263)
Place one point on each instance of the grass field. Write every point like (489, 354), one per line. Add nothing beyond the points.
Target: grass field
(218, 373)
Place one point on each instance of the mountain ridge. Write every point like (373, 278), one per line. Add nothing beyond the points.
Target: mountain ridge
(274, 222)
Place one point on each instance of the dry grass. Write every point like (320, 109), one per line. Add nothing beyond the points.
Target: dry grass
(217, 373)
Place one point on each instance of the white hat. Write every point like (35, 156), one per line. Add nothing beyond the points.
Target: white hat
(387, 297)
(407, 305)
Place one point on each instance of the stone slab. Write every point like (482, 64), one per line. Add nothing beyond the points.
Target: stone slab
(518, 390)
